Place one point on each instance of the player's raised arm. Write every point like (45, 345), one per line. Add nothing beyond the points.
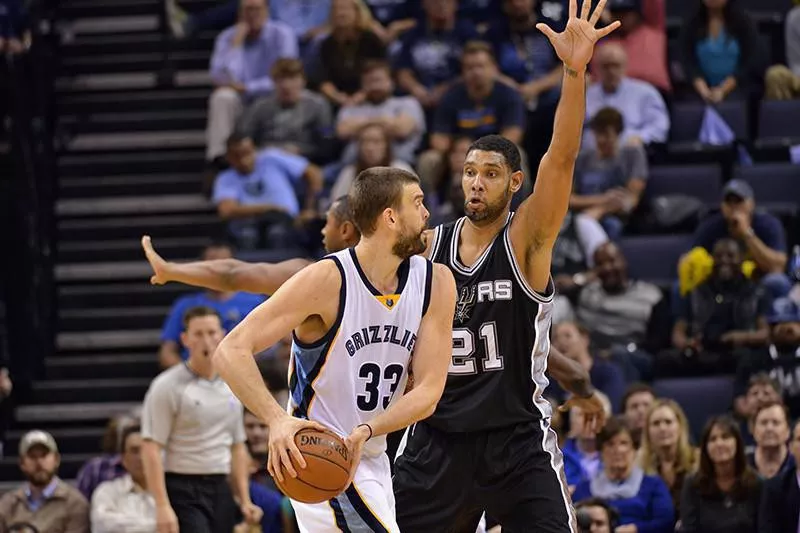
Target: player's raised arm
(310, 297)
(539, 218)
(225, 275)
(429, 364)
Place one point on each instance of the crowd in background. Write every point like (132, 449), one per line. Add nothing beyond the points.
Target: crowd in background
(304, 99)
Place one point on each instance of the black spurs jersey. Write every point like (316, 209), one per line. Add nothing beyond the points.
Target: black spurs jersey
(500, 339)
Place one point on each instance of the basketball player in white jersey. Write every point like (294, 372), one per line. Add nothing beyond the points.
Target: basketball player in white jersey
(358, 315)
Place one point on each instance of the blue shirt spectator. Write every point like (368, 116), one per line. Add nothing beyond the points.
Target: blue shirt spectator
(460, 115)
(650, 509)
(765, 226)
(307, 18)
(248, 62)
(270, 502)
(388, 11)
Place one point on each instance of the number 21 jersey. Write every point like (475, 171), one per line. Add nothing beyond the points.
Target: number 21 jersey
(500, 338)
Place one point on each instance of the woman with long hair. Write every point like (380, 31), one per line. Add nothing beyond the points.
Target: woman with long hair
(344, 51)
(721, 50)
(666, 451)
(723, 496)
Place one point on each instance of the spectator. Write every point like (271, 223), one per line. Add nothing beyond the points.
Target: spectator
(45, 502)
(401, 116)
(645, 117)
(272, 510)
(771, 455)
(374, 149)
(108, 466)
(232, 306)
(259, 194)
(572, 340)
(643, 35)
(609, 179)
(780, 499)
(257, 434)
(345, 51)
(6, 387)
(596, 516)
(191, 417)
(642, 501)
(780, 360)
(623, 315)
(480, 105)
(529, 64)
(783, 82)
(124, 505)
(291, 118)
(308, 22)
(582, 445)
(721, 50)
(719, 320)
(636, 403)
(15, 37)
(452, 204)
(761, 390)
(760, 233)
(573, 254)
(723, 496)
(392, 18)
(240, 66)
(429, 59)
(666, 451)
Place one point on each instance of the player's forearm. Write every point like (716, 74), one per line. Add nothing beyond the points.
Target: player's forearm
(419, 403)
(570, 114)
(239, 472)
(154, 472)
(570, 375)
(216, 274)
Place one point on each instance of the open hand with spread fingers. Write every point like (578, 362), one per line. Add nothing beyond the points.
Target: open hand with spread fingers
(575, 45)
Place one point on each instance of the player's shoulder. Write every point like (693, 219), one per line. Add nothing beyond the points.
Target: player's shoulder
(443, 281)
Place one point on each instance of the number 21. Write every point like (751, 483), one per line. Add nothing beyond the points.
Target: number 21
(464, 350)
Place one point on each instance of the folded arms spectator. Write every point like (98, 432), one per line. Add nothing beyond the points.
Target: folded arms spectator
(780, 499)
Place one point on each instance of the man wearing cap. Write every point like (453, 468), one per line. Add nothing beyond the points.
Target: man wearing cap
(44, 502)
(761, 235)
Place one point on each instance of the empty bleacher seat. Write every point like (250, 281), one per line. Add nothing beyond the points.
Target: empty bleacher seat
(701, 398)
(701, 181)
(654, 258)
(779, 122)
(776, 185)
(687, 117)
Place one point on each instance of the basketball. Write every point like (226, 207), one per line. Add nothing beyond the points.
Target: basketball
(327, 468)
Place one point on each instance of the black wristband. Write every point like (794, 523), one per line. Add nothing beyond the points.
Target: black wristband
(368, 427)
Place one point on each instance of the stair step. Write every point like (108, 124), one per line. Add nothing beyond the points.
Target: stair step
(69, 440)
(69, 467)
(132, 62)
(138, 292)
(128, 249)
(135, 227)
(128, 81)
(137, 141)
(126, 185)
(143, 205)
(103, 8)
(147, 42)
(53, 415)
(134, 122)
(147, 100)
(112, 318)
(105, 271)
(136, 365)
(90, 391)
(127, 163)
(117, 24)
(109, 340)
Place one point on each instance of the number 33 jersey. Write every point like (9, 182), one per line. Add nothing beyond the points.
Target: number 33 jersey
(360, 367)
(500, 338)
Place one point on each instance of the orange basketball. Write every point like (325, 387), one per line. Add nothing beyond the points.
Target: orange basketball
(327, 468)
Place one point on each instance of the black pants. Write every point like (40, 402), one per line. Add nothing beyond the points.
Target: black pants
(203, 504)
(443, 482)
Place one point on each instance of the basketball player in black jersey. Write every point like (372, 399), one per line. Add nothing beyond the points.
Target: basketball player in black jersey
(489, 445)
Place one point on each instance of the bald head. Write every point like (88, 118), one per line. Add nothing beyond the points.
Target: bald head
(612, 62)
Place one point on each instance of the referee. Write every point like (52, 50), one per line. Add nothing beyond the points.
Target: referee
(194, 421)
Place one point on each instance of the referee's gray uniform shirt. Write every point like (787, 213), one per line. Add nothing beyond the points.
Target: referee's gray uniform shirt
(195, 419)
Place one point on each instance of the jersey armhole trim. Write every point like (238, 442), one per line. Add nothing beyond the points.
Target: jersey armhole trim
(331, 333)
(437, 241)
(523, 282)
(428, 285)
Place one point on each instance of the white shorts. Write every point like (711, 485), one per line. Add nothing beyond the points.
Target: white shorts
(366, 507)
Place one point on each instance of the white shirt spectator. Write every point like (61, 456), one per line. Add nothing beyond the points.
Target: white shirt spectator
(121, 506)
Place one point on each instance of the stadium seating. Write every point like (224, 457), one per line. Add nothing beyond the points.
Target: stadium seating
(776, 186)
(653, 258)
(701, 181)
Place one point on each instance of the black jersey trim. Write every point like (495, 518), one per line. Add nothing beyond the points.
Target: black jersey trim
(328, 337)
(532, 294)
(437, 241)
(428, 284)
(455, 262)
(402, 275)
(338, 516)
(363, 510)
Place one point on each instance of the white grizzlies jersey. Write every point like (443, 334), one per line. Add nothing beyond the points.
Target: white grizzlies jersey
(360, 367)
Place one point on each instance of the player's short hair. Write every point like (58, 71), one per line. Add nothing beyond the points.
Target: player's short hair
(199, 311)
(607, 118)
(633, 389)
(341, 209)
(236, 137)
(371, 65)
(374, 190)
(762, 378)
(287, 67)
(127, 432)
(614, 426)
(502, 146)
(472, 48)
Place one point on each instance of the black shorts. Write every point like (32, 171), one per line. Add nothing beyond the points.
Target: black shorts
(444, 482)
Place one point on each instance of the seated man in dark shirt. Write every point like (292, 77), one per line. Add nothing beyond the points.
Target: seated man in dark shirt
(761, 235)
(480, 105)
(719, 320)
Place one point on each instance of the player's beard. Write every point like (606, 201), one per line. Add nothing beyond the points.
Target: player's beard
(409, 244)
(490, 212)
